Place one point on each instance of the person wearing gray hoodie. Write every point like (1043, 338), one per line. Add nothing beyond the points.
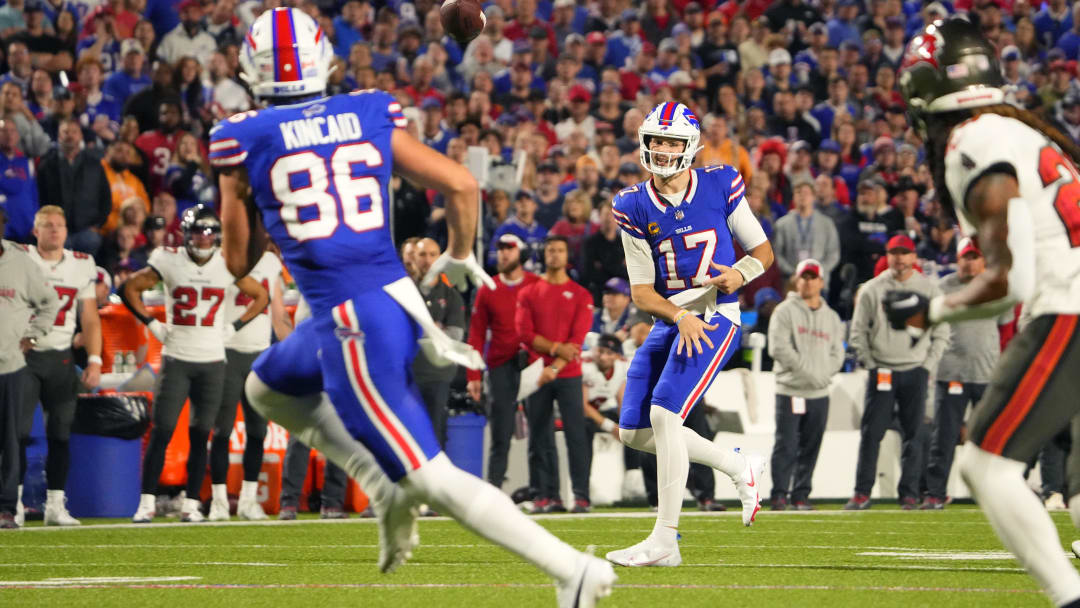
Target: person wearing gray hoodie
(899, 367)
(806, 342)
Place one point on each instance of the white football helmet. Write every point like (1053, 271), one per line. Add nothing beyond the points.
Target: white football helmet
(285, 54)
(675, 121)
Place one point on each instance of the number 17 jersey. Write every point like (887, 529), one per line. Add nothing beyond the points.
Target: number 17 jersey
(319, 172)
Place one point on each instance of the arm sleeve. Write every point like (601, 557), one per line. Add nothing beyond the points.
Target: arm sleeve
(860, 327)
(225, 147)
(639, 260)
(42, 299)
(478, 325)
(87, 290)
(582, 318)
(744, 226)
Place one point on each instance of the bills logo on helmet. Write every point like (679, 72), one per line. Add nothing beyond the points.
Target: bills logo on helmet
(669, 120)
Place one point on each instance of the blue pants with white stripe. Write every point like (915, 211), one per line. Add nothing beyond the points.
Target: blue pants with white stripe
(675, 382)
(361, 353)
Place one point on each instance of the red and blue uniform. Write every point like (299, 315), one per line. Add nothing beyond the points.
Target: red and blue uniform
(319, 172)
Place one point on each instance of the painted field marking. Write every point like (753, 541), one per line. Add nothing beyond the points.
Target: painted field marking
(102, 581)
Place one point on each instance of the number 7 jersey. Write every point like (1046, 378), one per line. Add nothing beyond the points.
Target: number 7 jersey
(319, 172)
(1049, 183)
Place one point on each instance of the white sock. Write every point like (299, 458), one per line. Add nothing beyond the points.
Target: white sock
(1020, 520)
(699, 449)
(219, 493)
(248, 490)
(20, 494)
(314, 422)
(54, 497)
(486, 511)
(672, 468)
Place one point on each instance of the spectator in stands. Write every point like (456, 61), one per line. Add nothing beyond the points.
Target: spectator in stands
(20, 66)
(786, 123)
(575, 226)
(906, 201)
(146, 104)
(227, 97)
(604, 258)
(773, 153)
(962, 375)
(806, 343)
(120, 249)
(123, 184)
(189, 39)
(71, 177)
(837, 103)
(40, 100)
(799, 159)
(159, 145)
(553, 316)
(95, 102)
(32, 138)
(131, 78)
(872, 223)
(447, 308)
(938, 253)
(720, 148)
(188, 177)
(616, 313)
(494, 315)
(806, 233)
(523, 225)
(1053, 21)
(63, 108)
(579, 117)
(17, 185)
(223, 24)
(11, 18)
(899, 371)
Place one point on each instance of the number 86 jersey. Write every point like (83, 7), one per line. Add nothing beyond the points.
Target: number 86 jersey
(319, 172)
(1049, 183)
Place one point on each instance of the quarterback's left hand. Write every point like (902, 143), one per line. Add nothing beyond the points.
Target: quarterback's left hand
(906, 309)
(728, 281)
(458, 271)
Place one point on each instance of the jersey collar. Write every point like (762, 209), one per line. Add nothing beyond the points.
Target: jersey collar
(661, 204)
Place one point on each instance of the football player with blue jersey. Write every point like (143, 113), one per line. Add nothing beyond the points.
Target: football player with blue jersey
(315, 171)
(678, 230)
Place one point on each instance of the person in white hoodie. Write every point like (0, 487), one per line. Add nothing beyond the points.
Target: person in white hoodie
(806, 342)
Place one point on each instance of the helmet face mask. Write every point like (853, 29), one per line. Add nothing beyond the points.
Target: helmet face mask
(200, 221)
(669, 121)
(285, 54)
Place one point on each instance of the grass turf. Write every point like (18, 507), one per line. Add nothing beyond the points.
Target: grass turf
(885, 557)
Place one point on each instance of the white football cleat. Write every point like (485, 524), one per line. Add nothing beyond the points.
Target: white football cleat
(1055, 502)
(592, 580)
(250, 510)
(219, 510)
(191, 511)
(398, 532)
(147, 509)
(647, 553)
(748, 487)
(56, 514)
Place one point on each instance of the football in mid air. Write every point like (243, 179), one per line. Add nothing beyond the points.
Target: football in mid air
(463, 20)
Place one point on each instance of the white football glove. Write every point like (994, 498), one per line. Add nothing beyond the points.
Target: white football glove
(159, 329)
(458, 271)
(442, 351)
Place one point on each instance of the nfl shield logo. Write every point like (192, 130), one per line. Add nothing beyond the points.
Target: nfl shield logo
(678, 214)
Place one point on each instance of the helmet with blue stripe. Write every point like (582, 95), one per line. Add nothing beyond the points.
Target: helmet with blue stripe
(669, 120)
(285, 54)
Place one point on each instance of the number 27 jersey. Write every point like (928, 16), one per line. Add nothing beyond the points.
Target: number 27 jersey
(1049, 184)
(319, 172)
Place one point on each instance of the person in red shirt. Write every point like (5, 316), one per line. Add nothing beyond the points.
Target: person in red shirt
(494, 312)
(158, 145)
(553, 316)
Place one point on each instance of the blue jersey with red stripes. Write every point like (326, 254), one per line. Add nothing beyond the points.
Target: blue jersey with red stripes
(684, 239)
(319, 172)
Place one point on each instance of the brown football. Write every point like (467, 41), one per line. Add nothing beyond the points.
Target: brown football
(463, 20)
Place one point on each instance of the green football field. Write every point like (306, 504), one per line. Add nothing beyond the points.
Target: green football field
(881, 557)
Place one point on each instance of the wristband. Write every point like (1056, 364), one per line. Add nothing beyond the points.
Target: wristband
(607, 425)
(238, 324)
(749, 267)
(679, 316)
(92, 359)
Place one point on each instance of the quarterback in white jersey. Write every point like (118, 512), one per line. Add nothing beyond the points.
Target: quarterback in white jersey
(1012, 181)
(194, 334)
(52, 378)
(241, 350)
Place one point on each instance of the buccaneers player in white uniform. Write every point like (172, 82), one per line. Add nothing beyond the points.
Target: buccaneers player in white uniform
(52, 380)
(1012, 181)
(193, 357)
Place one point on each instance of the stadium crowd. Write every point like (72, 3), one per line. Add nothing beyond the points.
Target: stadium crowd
(105, 109)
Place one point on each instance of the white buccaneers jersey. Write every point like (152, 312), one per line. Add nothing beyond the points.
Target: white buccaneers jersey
(603, 389)
(1049, 183)
(73, 278)
(194, 304)
(255, 336)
